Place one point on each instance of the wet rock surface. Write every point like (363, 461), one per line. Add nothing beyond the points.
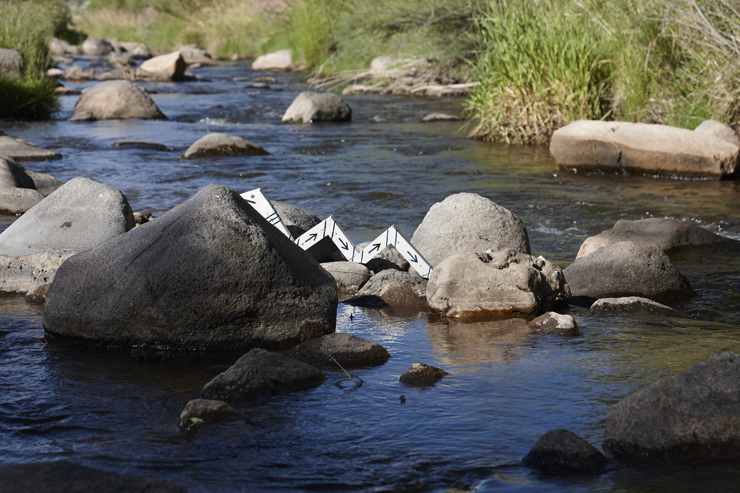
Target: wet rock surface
(469, 285)
(556, 324)
(259, 373)
(562, 450)
(691, 416)
(22, 150)
(631, 304)
(467, 223)
(348, 350)
(625, 269)
(314, 107)
(422, 375)
(66, 477)
(113, 100)
(210, 274)
(219, 144)
(206, 411)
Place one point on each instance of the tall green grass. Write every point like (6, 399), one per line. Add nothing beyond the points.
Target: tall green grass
(25, 26)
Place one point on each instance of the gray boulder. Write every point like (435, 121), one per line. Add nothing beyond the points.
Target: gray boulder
(18, 200)
(630, 304)
(719, 130)
(21, 189)
(27, 274)
(202, 411)
(627, 268)
(60, 47)
(564, 451)
(467, 223)
(469, 285)
(13, 175)
(348, 350)
(210, 274)
(78, 73)
(693, 415)
(279, 61)
(555, 323)
(422, 375)
(260, 372)
(12, 63)
(96, 46)
(218, 144)
(115, 99)
(350, 276)
(666, 234)
(22, 150)
(79, 215)
(311, 107)
(44, 183)
(643, 148)
(66, 477)
(140, 50)
(396, 288)
(169, 67)
(193, 54)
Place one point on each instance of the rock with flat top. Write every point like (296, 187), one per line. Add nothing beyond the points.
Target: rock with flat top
(218, 144)
(348, 350)
(643, 148)
(470, 285)
(113, 100)
(279, 61)
(312, 107)
(169, 67)
(718, 129)
(21, 150)
(631, 304)
(691, 416)
(261, 372)
(468, 223)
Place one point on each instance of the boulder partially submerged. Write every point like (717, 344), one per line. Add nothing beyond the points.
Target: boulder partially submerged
(206, 411)
(219, 144)
(469, 285)
(279, 61)
(691, 416)
(467, 223)
(561, 451)
(210, 274)
(21, 189)
(631, 304)
(555, 323)
(625, 269)
(312, 107)
(169, 67)
(643, 148)
(115, 99)
(422, 375)
(348, 350)
(22, 150)
(259, 373)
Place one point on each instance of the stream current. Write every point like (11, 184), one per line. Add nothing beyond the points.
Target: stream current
(506, 388)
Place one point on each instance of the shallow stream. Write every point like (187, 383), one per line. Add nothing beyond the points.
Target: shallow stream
(469, 432)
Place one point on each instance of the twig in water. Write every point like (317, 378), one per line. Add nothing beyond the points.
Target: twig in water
(349, 377)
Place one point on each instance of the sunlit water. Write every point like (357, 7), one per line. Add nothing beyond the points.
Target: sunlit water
(469, 432)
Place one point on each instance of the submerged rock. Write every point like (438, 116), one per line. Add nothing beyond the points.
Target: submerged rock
(627, 269)
(555, 323)
(66, 477)
(115, 99)
(218, 144)
(468, 223)
(348, 350)
(666, 234)
(422, 375)
(564, 451)
(261, 372)
(279, 61)
(206, 411)
(210, 274)
(396, 288)
(630, 304)
(643, 148)
(693, 415)
(312, 107)
(469, 285)
(22, 150)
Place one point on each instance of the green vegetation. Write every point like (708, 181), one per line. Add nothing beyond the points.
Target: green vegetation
(25, 26)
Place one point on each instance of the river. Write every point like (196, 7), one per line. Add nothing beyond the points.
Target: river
(469, 432)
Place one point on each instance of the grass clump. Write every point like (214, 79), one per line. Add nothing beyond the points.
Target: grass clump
(25, 27)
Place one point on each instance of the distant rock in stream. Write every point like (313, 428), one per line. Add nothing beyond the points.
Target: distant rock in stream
(210, 274)
(279, 61)
(22, 150)
(556, 324)
(206, 411)
(422, 375)
(96, 46)
(219, 144)
(631, 304)
(313, 107)
(169, 67)
(115, 99)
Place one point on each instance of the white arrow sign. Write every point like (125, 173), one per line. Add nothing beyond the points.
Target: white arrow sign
(328, 228)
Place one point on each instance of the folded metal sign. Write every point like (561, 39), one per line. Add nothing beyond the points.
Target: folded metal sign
(328, 228)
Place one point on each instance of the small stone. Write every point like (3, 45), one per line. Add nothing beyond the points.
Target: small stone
(555, 324)
(206, 411)
(564, 451)
(422, 375)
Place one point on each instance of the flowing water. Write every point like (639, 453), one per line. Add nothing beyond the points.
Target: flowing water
(469, 432)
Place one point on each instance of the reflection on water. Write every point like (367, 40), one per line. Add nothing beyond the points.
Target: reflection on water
(506, 387)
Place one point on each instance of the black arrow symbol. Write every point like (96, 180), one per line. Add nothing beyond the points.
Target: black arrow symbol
(345, 246)
(414, 258)
(312, 237)
(376, 246)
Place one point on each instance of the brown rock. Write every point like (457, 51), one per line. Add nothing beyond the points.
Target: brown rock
(422, 375)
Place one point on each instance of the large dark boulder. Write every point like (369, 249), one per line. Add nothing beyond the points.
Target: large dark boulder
(261, 372)
(66, 477)
(210, 274)
(312, 107)
(625, 269)
(468, 223)
(115, 100)
(691, 416)
(469, 285)
(564, 451)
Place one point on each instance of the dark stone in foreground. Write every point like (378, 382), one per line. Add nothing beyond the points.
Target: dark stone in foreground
(260, 372)
(564, 451)
(210, 274)
(207, 411)
(422, 375)
(691, 416)
(67, 477)
(348, 350)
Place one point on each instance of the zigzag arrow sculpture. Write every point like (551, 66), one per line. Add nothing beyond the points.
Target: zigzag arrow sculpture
(329, 228)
